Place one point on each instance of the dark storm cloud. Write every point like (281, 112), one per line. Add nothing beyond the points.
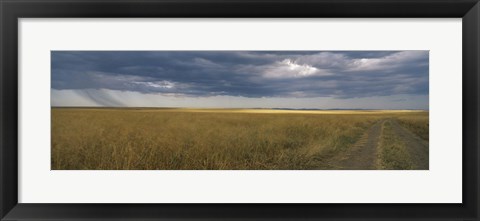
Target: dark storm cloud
(340, 74)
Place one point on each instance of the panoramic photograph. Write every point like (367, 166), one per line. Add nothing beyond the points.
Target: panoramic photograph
(240, 110)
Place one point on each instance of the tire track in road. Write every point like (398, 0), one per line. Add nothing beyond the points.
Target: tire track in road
(363, 154)
(416, 146)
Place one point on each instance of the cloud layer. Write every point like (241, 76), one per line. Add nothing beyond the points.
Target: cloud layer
(249, 74)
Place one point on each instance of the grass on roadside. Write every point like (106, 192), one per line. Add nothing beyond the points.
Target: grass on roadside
(393, 154)
(417, 124)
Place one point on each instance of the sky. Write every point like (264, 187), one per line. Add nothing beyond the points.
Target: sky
(241, 79)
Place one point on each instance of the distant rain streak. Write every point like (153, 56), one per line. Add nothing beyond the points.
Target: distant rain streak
(242, 79)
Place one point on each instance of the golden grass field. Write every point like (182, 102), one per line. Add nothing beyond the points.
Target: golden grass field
(230, 139)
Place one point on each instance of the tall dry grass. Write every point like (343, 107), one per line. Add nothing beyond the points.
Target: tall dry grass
(416, 123)
(127, 139)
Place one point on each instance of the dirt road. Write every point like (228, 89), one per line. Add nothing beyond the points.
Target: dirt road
(363, 155)
(416, 147)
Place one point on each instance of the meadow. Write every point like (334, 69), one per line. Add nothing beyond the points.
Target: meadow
(228, 139)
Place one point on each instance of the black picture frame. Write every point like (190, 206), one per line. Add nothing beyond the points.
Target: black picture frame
(12, 10)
